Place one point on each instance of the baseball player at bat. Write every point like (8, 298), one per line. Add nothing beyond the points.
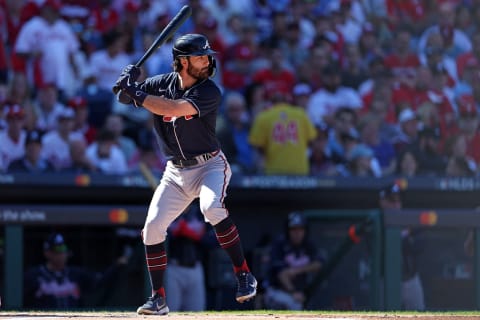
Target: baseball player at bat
(184, 104)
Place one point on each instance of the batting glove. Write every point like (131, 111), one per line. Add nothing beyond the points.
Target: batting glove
(131, 71)
(131, 89)
(122, 97)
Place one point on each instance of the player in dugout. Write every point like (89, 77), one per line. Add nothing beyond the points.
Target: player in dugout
(56, 285)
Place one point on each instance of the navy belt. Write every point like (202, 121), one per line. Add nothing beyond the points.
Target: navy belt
(182, 163)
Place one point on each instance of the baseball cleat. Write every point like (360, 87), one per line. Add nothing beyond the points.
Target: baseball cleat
(155, 305)
(247, 286)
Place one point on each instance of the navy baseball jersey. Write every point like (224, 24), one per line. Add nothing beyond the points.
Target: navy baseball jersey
(179, 139)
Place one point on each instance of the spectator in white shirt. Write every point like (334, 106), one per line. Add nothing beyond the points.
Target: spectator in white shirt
(56, 143)
(455, 40)
(106, 64)
(332, 96)
(50, 44)
(116, 124)
(47, 107)
(106, 155)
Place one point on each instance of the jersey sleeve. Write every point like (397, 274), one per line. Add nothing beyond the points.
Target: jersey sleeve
(205, 97)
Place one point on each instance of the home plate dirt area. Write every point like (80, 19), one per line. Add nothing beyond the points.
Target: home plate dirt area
(234, 316)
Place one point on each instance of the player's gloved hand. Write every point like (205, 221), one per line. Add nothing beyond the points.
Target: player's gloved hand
(132, 71)
(122, 97)
(131, 89)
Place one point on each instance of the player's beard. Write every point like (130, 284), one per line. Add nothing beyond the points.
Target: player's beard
(199, 74)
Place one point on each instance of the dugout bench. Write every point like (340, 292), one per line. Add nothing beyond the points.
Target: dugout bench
(395, 220)
(14, 217)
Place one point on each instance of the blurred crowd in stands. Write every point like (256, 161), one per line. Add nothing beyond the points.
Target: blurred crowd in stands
(326, 88)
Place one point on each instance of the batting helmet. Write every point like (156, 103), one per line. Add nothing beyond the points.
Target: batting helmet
(191, 44)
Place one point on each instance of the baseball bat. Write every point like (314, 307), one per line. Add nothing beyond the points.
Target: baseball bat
(148, 175)
(166, 34)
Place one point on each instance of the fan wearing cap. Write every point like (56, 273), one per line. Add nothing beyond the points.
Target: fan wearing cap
(57, 285)
(412, 295)
(56, 142)
(294, 259)
(106, 155)
(46, 107)
(408, 128)
(32, 161)
(185, 104)
(12, 139)
(301, 94)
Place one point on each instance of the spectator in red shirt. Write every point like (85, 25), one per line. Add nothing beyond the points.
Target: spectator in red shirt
(407, 12)
(402, 59)
(104, 17)
(276, 78)
(425, 89)
(378, 87)
(247, 37)
(237, 72)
